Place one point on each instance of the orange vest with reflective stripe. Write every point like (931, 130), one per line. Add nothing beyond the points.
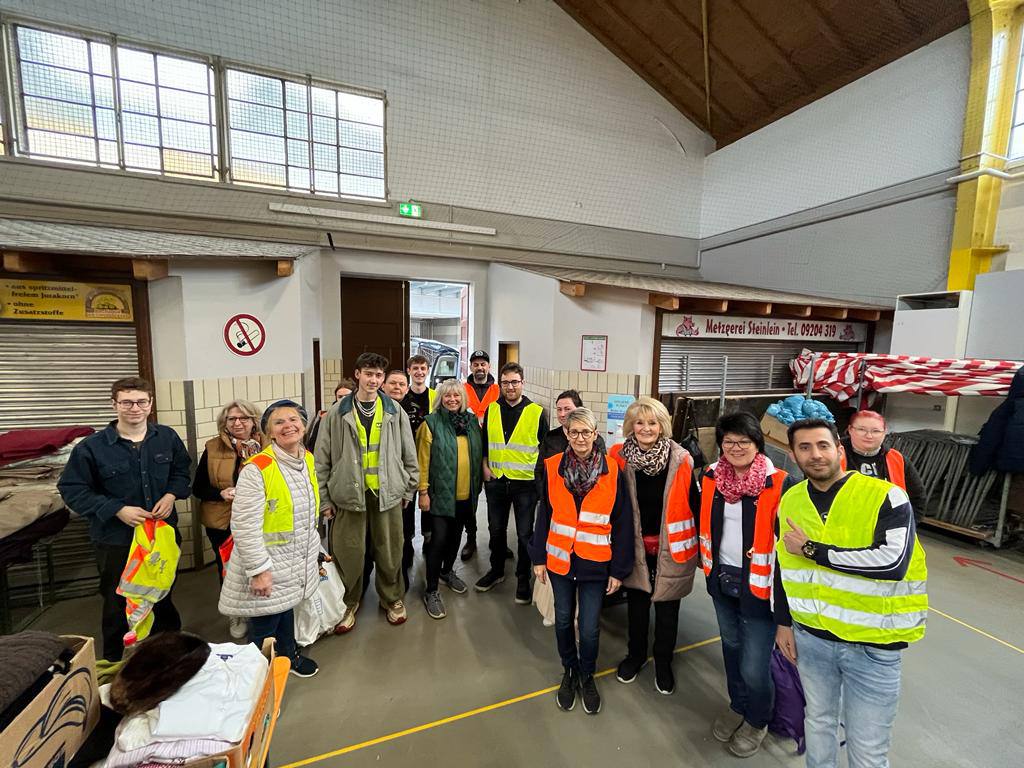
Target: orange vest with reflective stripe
(588, 533)
(762, 553)
(895, 467)
(679, 522)
(478, 406)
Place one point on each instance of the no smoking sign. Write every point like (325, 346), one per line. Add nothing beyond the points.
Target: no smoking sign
(244, 335)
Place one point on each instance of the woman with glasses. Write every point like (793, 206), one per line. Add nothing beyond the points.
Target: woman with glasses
(863, 451)
(583, 543)
(739, 502)
(659, 476)
(238, 439)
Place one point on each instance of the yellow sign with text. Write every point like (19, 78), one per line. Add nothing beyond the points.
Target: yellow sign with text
(60, 300)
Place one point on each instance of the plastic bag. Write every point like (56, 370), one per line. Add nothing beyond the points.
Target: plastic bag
(319, 613)
(544, 599)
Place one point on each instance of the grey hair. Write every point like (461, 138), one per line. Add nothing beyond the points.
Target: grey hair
(584, 416)
(447, 386)
(245, 407)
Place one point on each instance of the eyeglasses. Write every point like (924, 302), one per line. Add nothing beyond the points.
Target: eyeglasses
(866, 431)
(516, 383)
(730, 444)
(239, 418)
(580, 434)
(127, 405)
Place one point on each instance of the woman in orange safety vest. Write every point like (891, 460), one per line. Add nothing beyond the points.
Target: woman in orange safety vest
(583, 542)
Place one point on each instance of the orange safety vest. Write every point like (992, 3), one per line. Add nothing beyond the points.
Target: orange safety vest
(679, 522)
(478, 406)
(762, 553)
(588, 534)
(895, 467)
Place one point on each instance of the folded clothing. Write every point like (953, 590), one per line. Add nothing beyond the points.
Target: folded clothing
(24, 658)
(166, 752)
(21, 444)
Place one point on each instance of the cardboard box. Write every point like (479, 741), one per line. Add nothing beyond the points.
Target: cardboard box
(52, 728)
(251, 751)
(775, 432)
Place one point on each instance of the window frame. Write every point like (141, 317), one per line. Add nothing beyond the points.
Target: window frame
(13, 125)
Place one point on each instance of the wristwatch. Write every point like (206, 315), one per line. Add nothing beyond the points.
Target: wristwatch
(810, 549)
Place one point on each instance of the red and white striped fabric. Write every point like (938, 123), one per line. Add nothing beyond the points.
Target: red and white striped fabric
(837, 374)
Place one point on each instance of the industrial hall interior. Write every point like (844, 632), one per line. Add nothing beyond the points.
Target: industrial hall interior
(498, 383)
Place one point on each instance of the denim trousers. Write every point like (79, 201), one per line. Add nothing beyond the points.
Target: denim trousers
(857, 684)
(589, 595)
(747, 644)
(281, 627)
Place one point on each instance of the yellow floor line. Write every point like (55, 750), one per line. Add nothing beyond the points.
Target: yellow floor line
(462, 715)
(981, 632)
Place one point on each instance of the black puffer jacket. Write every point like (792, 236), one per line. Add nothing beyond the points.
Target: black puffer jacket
(1001, 441)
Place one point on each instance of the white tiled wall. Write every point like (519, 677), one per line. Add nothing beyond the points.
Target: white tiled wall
(543, 385)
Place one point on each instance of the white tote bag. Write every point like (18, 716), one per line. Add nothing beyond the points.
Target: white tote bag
(319, 613)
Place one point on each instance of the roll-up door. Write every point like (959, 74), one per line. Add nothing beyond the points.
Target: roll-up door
(693, 366)
(59, 374)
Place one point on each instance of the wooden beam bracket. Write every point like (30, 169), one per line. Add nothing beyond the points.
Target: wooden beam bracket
(285, 267)
(573, 289)
(26, 263)
(150, 269)
(663, 301)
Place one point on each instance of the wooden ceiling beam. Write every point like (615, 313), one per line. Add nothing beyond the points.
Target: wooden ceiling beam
(831, 313)
(870, 315)
(663, 301)
(27, 263)
(830, 32)
(150, 269)
(626, 58)
(285, 267)
(793, 310)
(573, 289)
(762, 308)
(706, 305)
(718, 56)
(666, 60)
(773, 47)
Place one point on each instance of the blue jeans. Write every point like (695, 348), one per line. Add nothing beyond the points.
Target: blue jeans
(281, 627)
(589, 594)
(864, 683)
(747, 649)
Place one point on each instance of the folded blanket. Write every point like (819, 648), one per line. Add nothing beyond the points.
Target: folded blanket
(20, 444)
(23, 658)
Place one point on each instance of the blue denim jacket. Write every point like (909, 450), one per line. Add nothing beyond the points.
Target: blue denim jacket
(105, 473)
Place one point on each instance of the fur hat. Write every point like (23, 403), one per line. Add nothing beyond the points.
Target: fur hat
(156, 669)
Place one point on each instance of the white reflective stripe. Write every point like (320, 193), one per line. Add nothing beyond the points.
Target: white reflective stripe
(557, 552)
(562, 530)
(372, 470)
(512, 465)
(680, 546)
(760, 581)
(759, 559)
(373, 447)
(680, 527)
(911, 620)
(593, 538)
(528, 449)
(860, 586)
(594, 517)
(496, 446)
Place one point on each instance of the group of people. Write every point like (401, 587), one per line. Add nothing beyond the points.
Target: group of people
(828, 569)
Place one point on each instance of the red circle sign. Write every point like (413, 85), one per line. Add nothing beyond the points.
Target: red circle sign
(244, 335)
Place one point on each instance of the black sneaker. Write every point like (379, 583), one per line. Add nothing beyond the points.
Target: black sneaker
(524, 594)
(509, 554)
(488, 581)
(468, 550)
(664, 679)
(629, 668)
(589, 695)
(566, 696)
(303, 666)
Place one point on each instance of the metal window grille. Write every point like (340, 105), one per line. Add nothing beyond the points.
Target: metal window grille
(305, 137)
(93, 101)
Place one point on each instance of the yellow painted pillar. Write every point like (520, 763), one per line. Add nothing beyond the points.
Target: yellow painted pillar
(995, 61)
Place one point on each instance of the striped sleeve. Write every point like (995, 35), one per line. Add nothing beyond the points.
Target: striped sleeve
(888, 557)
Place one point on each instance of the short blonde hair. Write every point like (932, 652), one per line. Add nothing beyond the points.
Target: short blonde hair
(583, 416)
(447, 386)
(647, 407)
(245, 407)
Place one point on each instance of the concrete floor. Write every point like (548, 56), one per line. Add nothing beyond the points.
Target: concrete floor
(961, 703)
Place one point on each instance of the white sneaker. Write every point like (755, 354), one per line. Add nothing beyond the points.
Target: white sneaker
(238, 626)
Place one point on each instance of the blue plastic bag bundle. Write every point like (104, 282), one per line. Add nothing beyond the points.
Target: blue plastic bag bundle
(796, 407)
(788, 718)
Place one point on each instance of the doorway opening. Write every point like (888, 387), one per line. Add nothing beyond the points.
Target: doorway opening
(439, 327)
(508, 352)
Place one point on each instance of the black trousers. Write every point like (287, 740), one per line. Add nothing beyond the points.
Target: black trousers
(218, 537)
(502, 497)
(110, 560)
(281, 627)
(445, 535)
(408, 534)
(666, 624)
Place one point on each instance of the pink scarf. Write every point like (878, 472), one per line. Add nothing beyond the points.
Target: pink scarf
(733, 487)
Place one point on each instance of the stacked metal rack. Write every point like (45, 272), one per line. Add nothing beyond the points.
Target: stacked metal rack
(955, 499)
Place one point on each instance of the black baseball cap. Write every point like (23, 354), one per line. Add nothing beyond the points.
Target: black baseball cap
(480, 355)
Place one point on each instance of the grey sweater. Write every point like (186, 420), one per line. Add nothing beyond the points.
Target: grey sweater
(293, 566)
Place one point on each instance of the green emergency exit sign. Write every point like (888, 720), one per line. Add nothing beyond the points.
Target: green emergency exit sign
(411, 210)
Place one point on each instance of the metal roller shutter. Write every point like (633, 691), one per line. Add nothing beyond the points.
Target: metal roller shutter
(59, 374)
(694, 366)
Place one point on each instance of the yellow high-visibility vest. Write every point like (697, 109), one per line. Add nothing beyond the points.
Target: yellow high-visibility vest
(149, 573)
(279, 510)
(370, 446)
(516, 459)
(853, 608)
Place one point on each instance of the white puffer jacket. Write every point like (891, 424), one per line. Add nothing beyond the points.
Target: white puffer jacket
(292, 565)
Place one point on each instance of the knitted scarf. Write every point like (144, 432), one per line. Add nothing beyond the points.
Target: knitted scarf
(733, 487)
(459, 421)
(581, 475)
(651, 461)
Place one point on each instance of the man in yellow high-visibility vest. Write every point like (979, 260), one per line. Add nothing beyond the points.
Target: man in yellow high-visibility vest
(853, 594)
(514, 428)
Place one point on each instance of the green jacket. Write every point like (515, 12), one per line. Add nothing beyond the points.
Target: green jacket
(339, 460)
(444, 459)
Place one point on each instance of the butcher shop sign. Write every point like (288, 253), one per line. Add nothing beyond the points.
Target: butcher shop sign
(680, 325)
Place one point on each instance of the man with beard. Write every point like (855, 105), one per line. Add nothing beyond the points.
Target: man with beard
(481, 391)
